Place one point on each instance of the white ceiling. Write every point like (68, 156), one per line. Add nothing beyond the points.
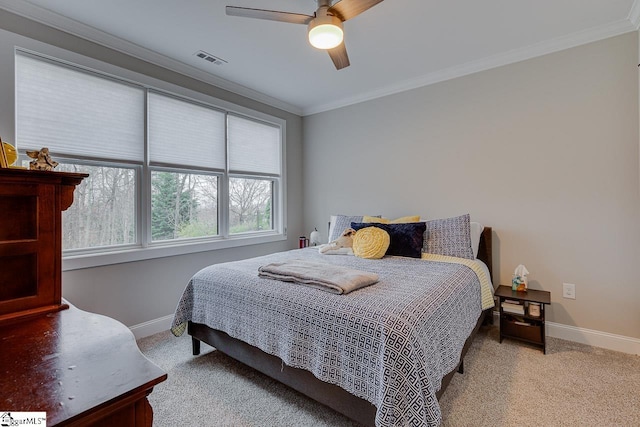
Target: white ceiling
(394, 46)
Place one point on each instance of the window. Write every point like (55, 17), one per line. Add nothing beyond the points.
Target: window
(103, 212)
(250, 203)
(183, 205)
(251, 152)
(188, 136)
(165, 170)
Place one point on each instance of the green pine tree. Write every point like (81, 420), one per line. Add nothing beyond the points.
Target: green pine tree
(172, 205)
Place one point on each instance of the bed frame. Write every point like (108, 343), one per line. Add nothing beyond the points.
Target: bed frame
(303, 381)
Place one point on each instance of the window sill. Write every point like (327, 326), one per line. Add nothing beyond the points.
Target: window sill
(77, 262)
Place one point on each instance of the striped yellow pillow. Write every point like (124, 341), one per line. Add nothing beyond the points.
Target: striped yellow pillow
(401, 220)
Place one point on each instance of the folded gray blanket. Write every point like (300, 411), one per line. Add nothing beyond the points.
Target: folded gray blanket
(327, 277)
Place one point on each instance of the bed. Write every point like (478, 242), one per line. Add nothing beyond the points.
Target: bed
(381, 355)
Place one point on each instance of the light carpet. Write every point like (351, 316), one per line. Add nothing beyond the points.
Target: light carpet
(508, 384)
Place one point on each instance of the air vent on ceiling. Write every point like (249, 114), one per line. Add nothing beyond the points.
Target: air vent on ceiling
(210, 58)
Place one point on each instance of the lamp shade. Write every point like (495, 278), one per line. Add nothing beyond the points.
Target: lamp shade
(325, 32)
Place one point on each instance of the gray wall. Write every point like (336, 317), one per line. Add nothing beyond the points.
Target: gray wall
(142, 291)
(545, 151)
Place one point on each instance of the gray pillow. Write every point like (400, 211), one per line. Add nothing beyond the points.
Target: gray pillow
(339, 223)
(449, 236)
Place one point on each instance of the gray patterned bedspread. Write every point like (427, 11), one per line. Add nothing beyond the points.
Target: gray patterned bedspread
(390, 343)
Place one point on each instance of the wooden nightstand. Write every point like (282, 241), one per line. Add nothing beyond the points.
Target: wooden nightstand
(516, 319)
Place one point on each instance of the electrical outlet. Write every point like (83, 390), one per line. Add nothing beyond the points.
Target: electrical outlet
(569, 290)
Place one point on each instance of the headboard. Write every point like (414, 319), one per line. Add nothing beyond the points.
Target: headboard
(485, 253)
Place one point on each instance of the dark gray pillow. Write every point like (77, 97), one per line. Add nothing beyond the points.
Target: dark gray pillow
(449, 236)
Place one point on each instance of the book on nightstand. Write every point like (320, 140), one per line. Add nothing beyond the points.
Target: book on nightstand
(512, 308)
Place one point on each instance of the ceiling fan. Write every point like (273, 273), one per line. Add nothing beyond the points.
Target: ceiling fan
(325, 25)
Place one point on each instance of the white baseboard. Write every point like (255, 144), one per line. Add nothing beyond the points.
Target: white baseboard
(594, 338)
(151, 327)
(589, 336)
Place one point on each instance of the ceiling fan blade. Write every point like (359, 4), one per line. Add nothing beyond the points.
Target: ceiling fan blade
(347, 9)
(272, 15)
(339, 56)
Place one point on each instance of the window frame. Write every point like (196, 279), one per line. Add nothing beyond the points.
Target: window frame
(145, 247)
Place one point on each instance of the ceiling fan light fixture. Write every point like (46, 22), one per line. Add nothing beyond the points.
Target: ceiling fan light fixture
(325, 32)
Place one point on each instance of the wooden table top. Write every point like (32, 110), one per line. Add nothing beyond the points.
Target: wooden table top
(70, 362)
(543, 297)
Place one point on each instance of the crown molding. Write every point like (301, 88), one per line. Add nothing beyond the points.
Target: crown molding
(510, 57)
(62, 23)
(634, 14)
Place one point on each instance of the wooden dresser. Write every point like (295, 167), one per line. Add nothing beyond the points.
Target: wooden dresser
(82, 369)
(31, 205)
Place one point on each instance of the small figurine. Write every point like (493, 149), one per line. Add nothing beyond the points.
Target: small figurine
(344, 241)
(43, 161)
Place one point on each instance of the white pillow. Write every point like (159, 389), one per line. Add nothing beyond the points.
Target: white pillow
(476, 232)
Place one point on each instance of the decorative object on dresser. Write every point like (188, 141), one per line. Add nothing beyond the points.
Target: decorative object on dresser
(522, 315)
(42, 160)
(11, 154)
(4, 161)
(8, 156)
(79, 368)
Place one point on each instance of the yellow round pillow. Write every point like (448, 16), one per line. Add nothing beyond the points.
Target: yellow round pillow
(371, 243)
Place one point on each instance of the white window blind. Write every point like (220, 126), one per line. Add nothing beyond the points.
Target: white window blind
(253, 146)
(74, 112)
(184, 133)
